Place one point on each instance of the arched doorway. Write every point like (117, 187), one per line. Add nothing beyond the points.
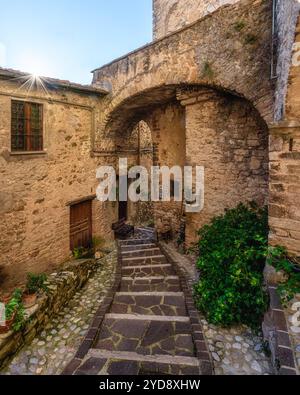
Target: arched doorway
(197, 126)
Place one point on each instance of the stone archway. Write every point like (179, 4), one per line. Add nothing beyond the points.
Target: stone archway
(204, 127)
(220, 81)
(202, 54)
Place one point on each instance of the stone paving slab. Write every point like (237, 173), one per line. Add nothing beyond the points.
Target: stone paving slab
(126, 363)
(135, 242)
(140, 253)
(150, 284)
(148, 271)
(145, 261)
(146, 337)
(169, 304)
(140, 247)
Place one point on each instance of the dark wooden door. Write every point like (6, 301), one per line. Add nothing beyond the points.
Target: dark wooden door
(81, 225)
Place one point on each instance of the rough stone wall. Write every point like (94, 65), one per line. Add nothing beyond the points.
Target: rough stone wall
(226, 136)
(61, 288)
(35, 189)
(144, 215)
(172, 15)
(285, 23)
(285, 166)
(162, 143)
(168, 132)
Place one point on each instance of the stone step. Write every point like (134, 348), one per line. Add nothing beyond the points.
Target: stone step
(149, 303)
(147, 270)
(141, 253)
(150, 284)
(147, 335)
(138, 261)
(117, 363)
(135, 242)
(140, 247)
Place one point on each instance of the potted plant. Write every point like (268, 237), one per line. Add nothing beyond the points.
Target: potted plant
(5, 297)
(14, 313)
(35, 283)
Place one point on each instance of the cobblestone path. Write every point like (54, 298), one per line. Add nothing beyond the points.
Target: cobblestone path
(149, 328)
(55, 347)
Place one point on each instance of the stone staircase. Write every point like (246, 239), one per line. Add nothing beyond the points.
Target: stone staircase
(148, 329)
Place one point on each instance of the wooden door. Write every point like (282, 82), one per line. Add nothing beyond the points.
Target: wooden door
(81, 225)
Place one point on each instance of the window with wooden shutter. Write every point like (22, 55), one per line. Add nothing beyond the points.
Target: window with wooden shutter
(26, 126)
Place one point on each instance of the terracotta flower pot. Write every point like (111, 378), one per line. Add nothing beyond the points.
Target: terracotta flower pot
(8, 324)
(5, 298)
(29, 300)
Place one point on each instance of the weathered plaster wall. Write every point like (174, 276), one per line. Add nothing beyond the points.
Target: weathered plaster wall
(35, 189)
(172, 15)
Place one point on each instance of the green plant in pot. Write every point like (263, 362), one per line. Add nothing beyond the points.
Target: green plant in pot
(35, 284)
(14, 313)
(5, 297)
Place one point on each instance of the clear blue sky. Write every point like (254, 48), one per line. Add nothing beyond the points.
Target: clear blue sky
(69, 38)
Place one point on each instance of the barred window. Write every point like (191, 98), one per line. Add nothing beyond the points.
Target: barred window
(26, 126)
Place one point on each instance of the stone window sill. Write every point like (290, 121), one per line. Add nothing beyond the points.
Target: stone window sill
(25, 155)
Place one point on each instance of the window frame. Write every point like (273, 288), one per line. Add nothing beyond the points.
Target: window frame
(28, 125)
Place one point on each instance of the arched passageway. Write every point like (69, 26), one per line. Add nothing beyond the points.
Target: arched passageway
(196, 126)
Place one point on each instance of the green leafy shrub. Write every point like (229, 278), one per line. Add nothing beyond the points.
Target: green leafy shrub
(35, 283)
(232, 260)
(79, 252)
(15, 308)
(279, 259)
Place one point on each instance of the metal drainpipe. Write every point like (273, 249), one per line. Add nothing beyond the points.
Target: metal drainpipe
(274, 50)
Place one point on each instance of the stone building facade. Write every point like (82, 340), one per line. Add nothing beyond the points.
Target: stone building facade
(203, 92)
(39, 189)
